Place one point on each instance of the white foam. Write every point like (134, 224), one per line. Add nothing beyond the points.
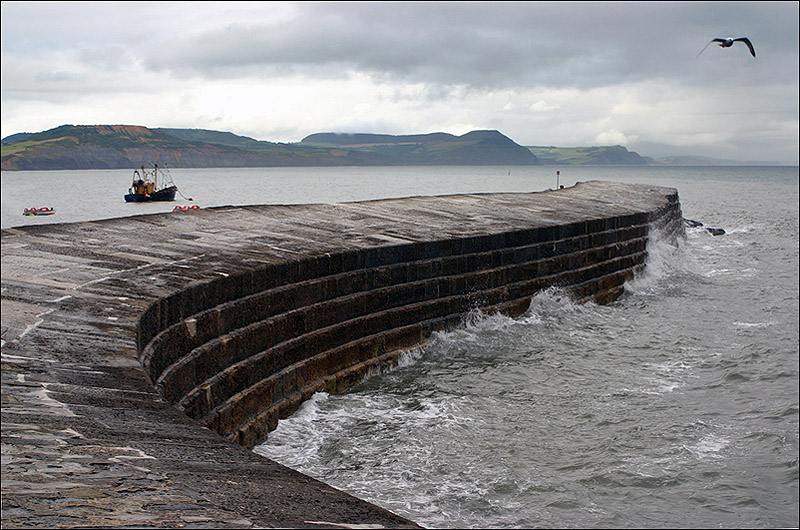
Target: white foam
(297, 439)
(666, 264)
(708, 447)
(753, 324)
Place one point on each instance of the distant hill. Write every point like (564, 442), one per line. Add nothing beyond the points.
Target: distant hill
(706, 161)
(365, 139)
(130, 146)
(474, 148)
(615, 155)
(127, 146)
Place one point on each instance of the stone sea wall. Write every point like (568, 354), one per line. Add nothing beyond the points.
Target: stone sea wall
(241, 352)
(143, 356)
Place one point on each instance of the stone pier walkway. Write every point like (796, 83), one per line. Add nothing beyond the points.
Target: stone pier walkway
(86, 439)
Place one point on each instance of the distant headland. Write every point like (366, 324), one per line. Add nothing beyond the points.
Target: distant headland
(126, 146)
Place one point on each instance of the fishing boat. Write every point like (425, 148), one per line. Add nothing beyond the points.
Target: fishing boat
(38, 211)
(145, 187)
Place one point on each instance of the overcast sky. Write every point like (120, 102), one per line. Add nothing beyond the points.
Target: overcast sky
(561, 73)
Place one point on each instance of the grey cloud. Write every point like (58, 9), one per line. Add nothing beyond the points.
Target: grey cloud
(480, 44)
(487, 63)
(477, 44)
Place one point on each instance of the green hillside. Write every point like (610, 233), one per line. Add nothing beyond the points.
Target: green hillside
(589, 156)
(473, 148)
(126, 146)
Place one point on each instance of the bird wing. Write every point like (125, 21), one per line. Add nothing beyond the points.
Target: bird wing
(706, 46)
(749, 45)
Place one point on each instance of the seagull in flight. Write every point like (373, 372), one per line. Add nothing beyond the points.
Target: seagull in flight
(728, 42)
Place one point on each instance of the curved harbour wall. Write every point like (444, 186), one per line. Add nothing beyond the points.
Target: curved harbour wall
(241, 352)
(240, 314)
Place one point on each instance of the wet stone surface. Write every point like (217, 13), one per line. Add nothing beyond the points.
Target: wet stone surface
(87, 441)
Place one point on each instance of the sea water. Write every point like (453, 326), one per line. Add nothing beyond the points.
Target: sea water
(98, 194)
(675, 406)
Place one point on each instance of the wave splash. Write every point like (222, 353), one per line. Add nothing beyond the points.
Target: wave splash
(571, 415)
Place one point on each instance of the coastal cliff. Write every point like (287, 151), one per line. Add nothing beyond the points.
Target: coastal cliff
(126, 146)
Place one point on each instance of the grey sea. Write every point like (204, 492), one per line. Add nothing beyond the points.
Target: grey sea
(674, 407)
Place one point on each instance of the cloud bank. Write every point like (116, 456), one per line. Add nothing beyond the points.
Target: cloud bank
(542, 73)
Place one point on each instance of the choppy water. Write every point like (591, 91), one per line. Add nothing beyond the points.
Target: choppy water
(676, 406)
